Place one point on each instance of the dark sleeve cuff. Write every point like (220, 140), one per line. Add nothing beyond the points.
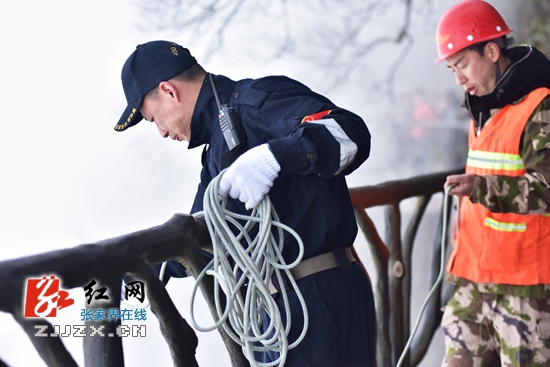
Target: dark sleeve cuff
(288, 154)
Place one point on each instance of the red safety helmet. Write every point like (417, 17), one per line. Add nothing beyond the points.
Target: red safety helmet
(467, 23)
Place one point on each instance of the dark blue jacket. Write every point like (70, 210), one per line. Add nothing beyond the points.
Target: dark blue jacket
(308, 197)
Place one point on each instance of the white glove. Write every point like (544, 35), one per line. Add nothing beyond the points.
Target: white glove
(251, 176)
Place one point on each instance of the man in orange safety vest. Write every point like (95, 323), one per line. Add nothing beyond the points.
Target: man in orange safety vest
(500, 265)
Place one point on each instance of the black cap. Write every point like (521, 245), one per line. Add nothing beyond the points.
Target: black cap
(150, 64)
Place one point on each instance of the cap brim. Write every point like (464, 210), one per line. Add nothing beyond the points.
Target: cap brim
(131, 115)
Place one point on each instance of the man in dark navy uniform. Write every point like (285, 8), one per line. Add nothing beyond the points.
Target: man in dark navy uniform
(299, 147)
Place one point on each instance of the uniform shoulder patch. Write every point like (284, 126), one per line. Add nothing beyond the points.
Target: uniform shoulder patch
(316, 116)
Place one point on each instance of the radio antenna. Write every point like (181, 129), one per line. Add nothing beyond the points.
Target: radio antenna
(218, 101)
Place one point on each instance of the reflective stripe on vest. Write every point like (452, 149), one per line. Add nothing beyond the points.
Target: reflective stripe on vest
(494, 161)
(505, 227)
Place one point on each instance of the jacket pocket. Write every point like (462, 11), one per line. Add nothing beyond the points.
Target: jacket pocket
(508, 246)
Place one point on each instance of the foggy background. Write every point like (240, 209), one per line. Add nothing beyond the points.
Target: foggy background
(67, 178)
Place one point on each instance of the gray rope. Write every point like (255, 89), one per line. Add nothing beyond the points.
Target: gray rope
(252, 266)
(439, 277)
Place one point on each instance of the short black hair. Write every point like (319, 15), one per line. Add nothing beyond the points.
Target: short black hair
(193, 74)
(189, 75)
(480, 47)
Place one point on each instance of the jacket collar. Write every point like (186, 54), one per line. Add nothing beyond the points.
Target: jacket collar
(205, 114)
(529, 70)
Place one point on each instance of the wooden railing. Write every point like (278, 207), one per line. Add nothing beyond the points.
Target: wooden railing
(183, 238)
(392, 262)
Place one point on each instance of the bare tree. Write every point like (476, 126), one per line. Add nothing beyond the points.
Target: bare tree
(336, 37)
(533, 25)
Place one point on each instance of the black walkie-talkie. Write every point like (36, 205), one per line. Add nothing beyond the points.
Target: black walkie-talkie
(229, 121)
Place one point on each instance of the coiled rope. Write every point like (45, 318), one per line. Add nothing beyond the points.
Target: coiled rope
(439, 277)
(236, 268)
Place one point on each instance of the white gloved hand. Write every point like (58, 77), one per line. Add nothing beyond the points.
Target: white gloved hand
(251, 176)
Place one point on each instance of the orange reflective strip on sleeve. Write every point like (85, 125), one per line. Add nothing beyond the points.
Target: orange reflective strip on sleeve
(315, 116)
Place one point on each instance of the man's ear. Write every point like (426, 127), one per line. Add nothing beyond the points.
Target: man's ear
(167, 89)
(493, 51)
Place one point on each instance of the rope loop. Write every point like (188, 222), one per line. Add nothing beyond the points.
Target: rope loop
(243, 273)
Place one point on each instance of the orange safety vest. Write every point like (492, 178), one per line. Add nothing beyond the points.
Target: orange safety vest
(502, 248)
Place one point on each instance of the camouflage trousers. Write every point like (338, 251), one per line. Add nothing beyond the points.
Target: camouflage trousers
(487, 330)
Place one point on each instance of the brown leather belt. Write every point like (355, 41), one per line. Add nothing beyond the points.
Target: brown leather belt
(314, 265)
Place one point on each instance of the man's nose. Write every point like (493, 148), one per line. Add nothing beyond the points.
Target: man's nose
(162, 132)
(460, 78)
